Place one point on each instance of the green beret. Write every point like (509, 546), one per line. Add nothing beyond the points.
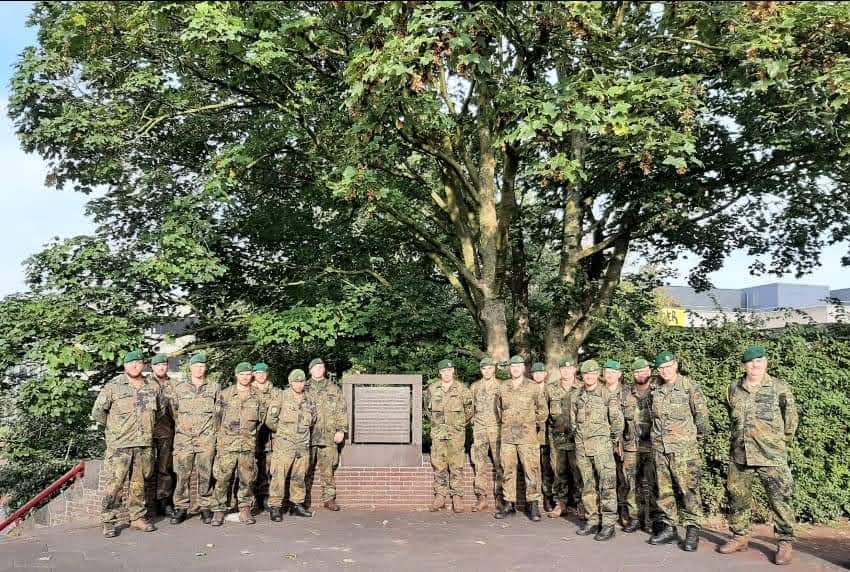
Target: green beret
(664, 357)
(243, 366)
(639, 363)
(261, 367)
(297, 375)
(538, 366)
(314, 362)
(589, 366)
(158, 359)
(445, 364)
(612, 364)
(198, 358)
(518, 359)
(135, 355)
(752, 353)
(566, 362)
(487, 361)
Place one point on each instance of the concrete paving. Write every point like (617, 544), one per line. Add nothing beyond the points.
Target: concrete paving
(383, 541)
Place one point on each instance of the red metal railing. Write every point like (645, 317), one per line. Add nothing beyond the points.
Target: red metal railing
(74, 473)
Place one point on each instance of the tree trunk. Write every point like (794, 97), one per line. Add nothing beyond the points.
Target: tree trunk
(496, 329)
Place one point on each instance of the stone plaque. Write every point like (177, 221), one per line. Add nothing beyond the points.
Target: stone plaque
(381, 414)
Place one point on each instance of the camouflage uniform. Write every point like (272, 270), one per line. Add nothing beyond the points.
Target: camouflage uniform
(596, 420)
(521, 411)
(450, 411)
(547, 473)
(562, 448)
(622, 505)
(129, 415)
(638, 484)
(163, 441)
(679, 421)
(331, 417)
(291, 418)
(195, 430)
(764, 421)
(486, 440)
(265, 392)
(238, 422)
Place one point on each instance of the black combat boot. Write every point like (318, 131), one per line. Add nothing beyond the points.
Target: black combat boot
(206, 515)
(507, 509)
(178, 516)
(164, 508)
(534, 511)
(299, 510)
(605, 533)
(587, 529)
(632, 525)
(548, 504)
(275, 513)
(691, 539)
(666, 533)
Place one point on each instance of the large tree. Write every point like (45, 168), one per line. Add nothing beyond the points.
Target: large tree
(253, 153)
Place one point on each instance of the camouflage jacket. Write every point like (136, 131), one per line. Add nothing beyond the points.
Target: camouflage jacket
(637, 412)
(484, 406)
(521, 411)
(129, 414)
(291, 418)
(331, 415)
(266, 393)
(543, 428)
(596, 419)
(560, 402)
(238, 420)
(194, 415)
(164, 426)
(763, 422)
(449, 410)
(679, 416)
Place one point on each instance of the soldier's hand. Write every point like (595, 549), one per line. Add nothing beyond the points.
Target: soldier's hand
(338, 437)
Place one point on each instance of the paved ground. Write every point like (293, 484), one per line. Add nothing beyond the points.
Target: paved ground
(384, 541)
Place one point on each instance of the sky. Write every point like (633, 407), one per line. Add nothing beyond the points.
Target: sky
(34, 214)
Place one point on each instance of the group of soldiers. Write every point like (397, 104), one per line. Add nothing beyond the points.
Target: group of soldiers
(615, 450)
(243, 442)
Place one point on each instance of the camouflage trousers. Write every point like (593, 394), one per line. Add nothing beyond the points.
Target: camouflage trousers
(678, 476)
(264, 472)
(184, 463)
(127, 465)
(529, 455)
(486, 444)
(599, 486)
(227, 465)
(293, 463)
(567, 481)
(547, 471)
(779, 486)
(163, 448)
(636, 486)
(447, 459)
(324, 460)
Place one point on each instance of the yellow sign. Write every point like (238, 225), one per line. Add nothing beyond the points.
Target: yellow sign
(672, 316)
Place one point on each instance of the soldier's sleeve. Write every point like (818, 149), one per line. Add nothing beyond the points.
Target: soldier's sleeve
(273, 413)
(467, 404)
(541, 409)
(615, 418)
(497, 404)
(571, 414)
(100, 410)
(699, 409)
(341, 414)
(219, 410)
(556, 415)
(789, 413)
(629, 414)
(426, 403)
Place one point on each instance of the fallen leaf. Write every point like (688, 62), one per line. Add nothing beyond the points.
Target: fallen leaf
(480, 542)
(292, 556)
(44, 558)
(246, 552)
(385, 522)
(200, 553)
(210, 545)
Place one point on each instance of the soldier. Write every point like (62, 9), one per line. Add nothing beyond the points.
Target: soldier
(448, 405)
(561, 445)
(486, 441)
(291, 417)
(192, 403)
(239, 413)
(638, 486)
(127, 406)
(539, 377)
(264, 390)
(328, 432)
(521, 409)
(596, 420)
(764, 420)
(679, 422)
(163, 438)
(611, 374)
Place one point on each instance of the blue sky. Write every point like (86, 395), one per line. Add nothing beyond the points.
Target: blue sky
(34, 214)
